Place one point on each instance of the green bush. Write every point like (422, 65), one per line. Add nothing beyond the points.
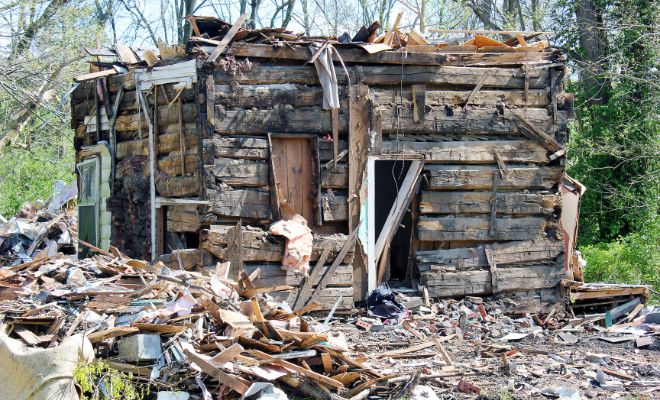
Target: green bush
(633, 259)
(100, 382)
(28, 175)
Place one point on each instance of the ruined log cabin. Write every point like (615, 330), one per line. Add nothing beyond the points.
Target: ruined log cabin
(443, 168)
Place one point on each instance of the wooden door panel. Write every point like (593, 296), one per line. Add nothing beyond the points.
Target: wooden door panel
(293, 164)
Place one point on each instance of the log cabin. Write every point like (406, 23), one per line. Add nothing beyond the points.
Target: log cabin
(437, 167)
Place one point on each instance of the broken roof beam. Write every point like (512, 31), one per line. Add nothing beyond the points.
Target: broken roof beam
(228, 37)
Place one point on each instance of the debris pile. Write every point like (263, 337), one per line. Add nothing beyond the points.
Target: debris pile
(40, 229)
(201, 334)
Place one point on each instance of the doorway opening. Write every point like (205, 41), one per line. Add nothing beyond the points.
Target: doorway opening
(389, 177)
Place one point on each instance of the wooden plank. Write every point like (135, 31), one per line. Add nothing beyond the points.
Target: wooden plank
(477, 228)
(322, 379)
(125, 54)
(235, 250)
(473, 177)
(357, 149)
(116, 331)
(451, 202)
(335, 177)
(470, 152)
(227, 38)
(464, 283)
(240, 203)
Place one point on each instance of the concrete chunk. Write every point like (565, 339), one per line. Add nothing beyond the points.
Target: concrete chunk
(140, 348)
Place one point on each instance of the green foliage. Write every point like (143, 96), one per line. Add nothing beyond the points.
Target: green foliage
(633, 259)
(100, 382)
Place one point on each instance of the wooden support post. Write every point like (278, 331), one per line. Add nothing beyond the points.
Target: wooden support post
(493, 204)
(476, 89)
(490, 257)
(335, 135)
(274, 184)
(152, 168)
(235, 250)
(113, 138)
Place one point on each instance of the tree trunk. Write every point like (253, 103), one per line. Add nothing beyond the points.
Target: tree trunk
(594, 44)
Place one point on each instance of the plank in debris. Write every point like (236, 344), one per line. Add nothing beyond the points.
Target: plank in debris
(478, 121)
(258, 245)
(187, 259)
(449, 202)
(470, 152)
(464, 283)
(240, 203)
(227, 38)
(517, 252)
(511, 78)
(477, 228)
(454, 177)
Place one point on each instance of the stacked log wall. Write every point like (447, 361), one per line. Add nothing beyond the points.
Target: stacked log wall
(178, 139)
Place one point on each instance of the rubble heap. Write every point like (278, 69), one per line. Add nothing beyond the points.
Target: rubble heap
(199, 334)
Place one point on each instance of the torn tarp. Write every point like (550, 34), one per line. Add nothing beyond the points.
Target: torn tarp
(382, 303)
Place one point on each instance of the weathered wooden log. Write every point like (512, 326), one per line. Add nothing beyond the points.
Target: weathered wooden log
(334, 208)
(478, 228)
(239, 172)
(284, 119)
(177, 186)
(519, 252)
(183, 218)
(135, 121)
(451, 177)
(451, 202)
(269, 96)
(335, 177)
(326, 300)
(315, 120)
(167, 143)
(512, 78)
(171, 164)
(478, 121)
(259, 246)
(240, 203)
(256, 147)
(464, 283)
(489, 98)
(470, 152)
(84, 101)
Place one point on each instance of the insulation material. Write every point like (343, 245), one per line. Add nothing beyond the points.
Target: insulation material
(41, 374)
(298, 249)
